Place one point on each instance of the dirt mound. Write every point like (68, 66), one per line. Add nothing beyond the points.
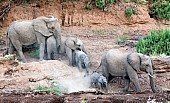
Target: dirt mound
(27, 76)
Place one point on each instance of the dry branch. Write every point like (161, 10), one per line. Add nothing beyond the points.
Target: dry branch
(4, 8)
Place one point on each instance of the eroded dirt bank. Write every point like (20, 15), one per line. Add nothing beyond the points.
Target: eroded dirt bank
(73, 14)
(99, 32)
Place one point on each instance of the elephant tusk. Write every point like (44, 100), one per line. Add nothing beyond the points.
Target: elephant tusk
(151, 75)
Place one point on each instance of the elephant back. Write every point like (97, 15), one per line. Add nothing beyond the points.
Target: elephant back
(24, 31)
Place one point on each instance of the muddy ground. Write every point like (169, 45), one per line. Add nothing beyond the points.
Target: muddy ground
(99, 31)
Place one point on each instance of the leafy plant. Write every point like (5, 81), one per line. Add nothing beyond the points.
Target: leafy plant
(54, 88)
(157, 42)
(35, 53)
(83, 101)
(50, 89)
(111, 1)
(130, 10)
(137, 1)
(100, 3)
(88, 7)
(121, 39)
(161, 10)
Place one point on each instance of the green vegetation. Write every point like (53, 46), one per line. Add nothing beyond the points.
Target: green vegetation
(88, 7)
(156, 0)
(130, 10)
(121, 39)
(35, 53)
(55, 88)
(100, 3)
(136, 1)
(50, 89)
(161, 10)
(83, 101)
(157, 42)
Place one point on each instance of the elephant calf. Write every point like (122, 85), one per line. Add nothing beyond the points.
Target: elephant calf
(68, 47)
(51, 47)
(98, 80)
(81, 60)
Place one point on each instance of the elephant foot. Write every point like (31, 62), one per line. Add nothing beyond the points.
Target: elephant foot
(24, 61)
(125, 91)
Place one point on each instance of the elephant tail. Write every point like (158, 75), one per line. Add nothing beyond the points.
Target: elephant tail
(7, 44)
(99, 68)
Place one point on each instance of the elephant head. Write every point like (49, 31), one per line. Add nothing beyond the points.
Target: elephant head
(48, 26)
(140, 62)
(72, 44)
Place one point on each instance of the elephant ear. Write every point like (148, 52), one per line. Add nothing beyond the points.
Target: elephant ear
(134, 61)
(39, 25)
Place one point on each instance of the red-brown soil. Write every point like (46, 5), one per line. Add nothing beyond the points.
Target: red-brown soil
(99, 32)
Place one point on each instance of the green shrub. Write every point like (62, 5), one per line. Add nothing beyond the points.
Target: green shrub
(50, 89)
(54, 88)
(157, 42)
(88, 7)
(136, 1)
(35, 53)
(111, 1)
(100, 3)
(130, 10)
(121, 40)
(161, 10)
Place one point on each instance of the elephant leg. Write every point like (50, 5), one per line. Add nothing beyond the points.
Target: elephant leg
(42, 48)
(134, 78)
(73, 58)
(11, 49)
(49, 55)
(18, 47)
(99, 85)
(79, 66)
(127, 84)
(105, 72)
(69, 55)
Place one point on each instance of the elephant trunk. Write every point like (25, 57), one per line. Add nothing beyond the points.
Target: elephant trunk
(150, 73)
(152, 84)
(58, 38)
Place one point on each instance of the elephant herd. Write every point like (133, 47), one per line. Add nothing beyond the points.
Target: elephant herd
(45, 32)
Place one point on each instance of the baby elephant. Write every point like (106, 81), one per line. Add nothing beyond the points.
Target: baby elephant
(51, 48)
(81, 60)
(98, 80)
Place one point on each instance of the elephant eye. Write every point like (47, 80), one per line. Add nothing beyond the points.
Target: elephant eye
(147, 65)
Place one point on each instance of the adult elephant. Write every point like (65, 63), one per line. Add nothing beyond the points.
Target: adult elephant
(68, 47)
(115, 63)
(27, 32)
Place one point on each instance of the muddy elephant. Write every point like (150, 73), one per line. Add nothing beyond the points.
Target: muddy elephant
(115, 63)
(27, 32)
(98, 80)
(68, 47)
(81, 60)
